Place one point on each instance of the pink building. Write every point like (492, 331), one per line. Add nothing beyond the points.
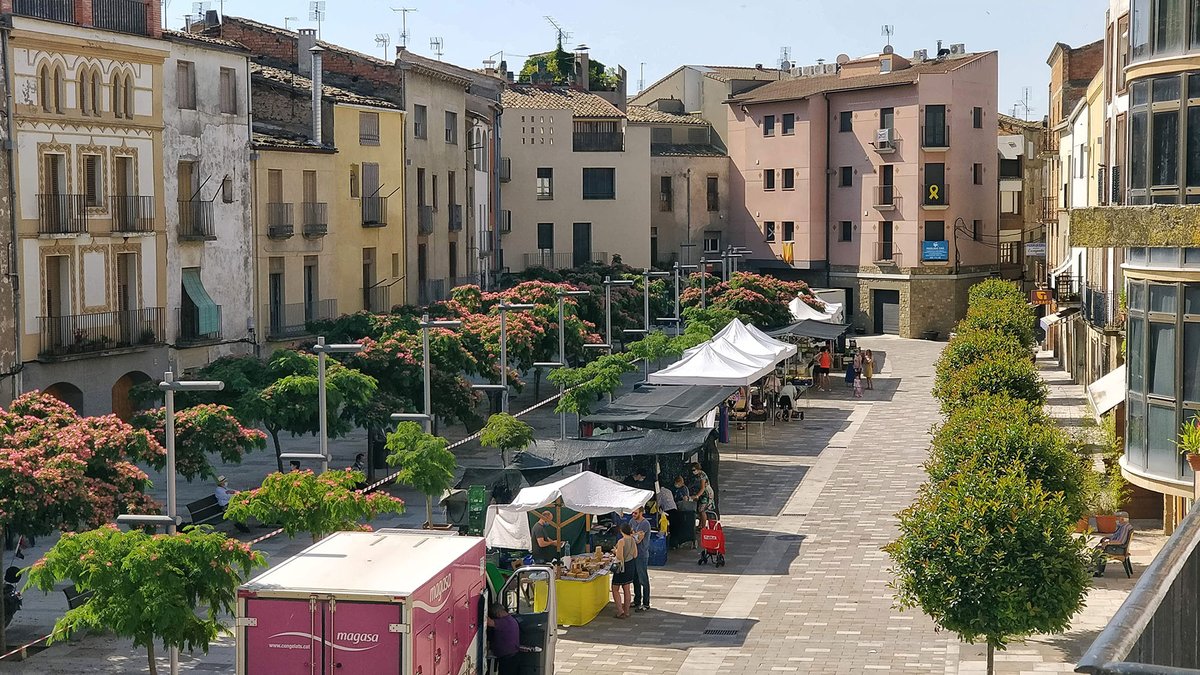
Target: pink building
(878, 175)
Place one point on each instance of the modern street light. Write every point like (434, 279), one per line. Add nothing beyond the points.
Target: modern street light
(609, 282)
(678, 271)
(703, 280)
(169, 386)
(647, 275)
(426, 324)
(321, 349)
(562, 347)
(505, 308)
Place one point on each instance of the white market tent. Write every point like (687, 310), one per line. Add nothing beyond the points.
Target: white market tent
(709, 364)
(586, 492)
(802, 310)
(748, 334)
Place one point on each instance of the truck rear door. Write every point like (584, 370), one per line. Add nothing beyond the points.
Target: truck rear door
(322, 636)
(282, 636)
(363, 637)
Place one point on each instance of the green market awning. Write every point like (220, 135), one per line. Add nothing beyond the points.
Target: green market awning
(656, 407)
(547, 456)
(809, 328)
(208, 315)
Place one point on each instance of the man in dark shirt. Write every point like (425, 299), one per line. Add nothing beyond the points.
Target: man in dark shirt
(545, 546)
(505, 639)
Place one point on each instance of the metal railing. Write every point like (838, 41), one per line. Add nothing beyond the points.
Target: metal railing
(424, 220)
(1049, 209)
(1099, 307)
(935, 136)
(456, 217)
(126, 16)
(887, 252)
(279, 220)
(1067, 288)
(374, 211)
(549, 259)
(132, 214)
(292, 320)
(51, 10)
(196, 220)
(90, 333)
(505, 221)
(192, 329)
(62, 214)
(377, 299)
(885, 197)
(316, 219)
(598, 141)
(505, 169)
(1157, 628)
(431, 290)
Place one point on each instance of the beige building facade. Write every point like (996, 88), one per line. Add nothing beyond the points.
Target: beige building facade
(704, 90)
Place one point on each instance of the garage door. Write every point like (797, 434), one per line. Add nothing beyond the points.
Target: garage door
(887, 312)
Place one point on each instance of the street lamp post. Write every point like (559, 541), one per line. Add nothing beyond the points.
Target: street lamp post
(169, 386)
(321, 349)
(679, 271)
(426, 418)
(647, 275)
(609, 282)
(505, 308)
(703, 281)
(562, 348)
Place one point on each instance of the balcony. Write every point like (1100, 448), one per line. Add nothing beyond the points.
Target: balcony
(505, 170)
(132, 215)
(430, 291)
(1049, 210)
(886, 141)
(377, 299)
(374, 211)
(196, 220)
(199, 324)
(1067, 289)
(1157, 628)
(279, 220)
(1099, 308)
(456, 217)
(887, 253)
(936, 197)
(424, 220)
(125, 16)
(598, 141)
(935, 138)
(548, 259)
(62, 215)
(505, 221)
(316, 219)
(64, 336)
(885, 197)
(62, 11)
(289, 321)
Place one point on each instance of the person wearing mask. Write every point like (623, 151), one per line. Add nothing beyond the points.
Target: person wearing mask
(625, 552)
(545, 546)
(680, 491)
(360, 463)
(504, 639)
(641, 564)
(223, 493)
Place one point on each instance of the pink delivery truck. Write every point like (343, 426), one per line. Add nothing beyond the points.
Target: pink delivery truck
(391, 602)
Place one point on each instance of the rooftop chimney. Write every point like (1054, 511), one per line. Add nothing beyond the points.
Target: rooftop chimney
(584, 69)
(306, 40)
(318, 133)
(212, 18)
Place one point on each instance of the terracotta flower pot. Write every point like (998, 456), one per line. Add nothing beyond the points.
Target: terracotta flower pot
(1106, 524)
(1081, 525)
(1193, 459)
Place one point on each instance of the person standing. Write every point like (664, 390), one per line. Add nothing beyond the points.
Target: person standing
(545, 547)
(641, 564)
(824, 364)
(625, 553)
(704, 494)
(868, 368)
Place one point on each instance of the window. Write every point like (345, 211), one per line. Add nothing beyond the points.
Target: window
(846, 176)
(433, 191)
(46, 87)
(1123, 47)
(935, 184)
(845, 230)
(769, 230)
(712, 242)
(845, 121)
(1010, 168)
(789, 179)
(885, 65)
(935, 134)
(228, 93)
(93, 180)
(421, 187)
(887, 118)
(227, 190)
(368, 128)
(977, 117)
(789, 124)
(545, 236)
(666, 195)
(89, 91)
(185, 85)
(1010, 202)
(451, 127)
(768, 125)
(710, 185)
(599, 183)
(1164, 140)
(118, 94)
(451, 190)
(660, 136)
(697, 135)
(976, 230)
(355, 186)
(935, 230)
(58, 86)
(545, 182)
(128, 92)
(420, 121)
(789, 230)
(977, 173)
(1008, 252)
(768, 179)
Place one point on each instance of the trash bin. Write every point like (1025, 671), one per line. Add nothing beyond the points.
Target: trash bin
(658, 549)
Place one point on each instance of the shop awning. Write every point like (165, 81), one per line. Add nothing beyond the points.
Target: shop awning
(557, 454)
(208, 315)
(818, 330)
(1107, 392)
(1050, 319)
(655, 407)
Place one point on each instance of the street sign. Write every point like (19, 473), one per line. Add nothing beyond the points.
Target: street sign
(1035, 249)
(935, 251)
(1041, 296)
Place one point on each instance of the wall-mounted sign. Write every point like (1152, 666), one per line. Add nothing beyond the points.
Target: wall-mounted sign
(1035, 249)
(1041, 296)
(935, 251)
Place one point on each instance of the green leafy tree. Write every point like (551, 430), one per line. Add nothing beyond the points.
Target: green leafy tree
(991, 557)
(969, 348)
(200, 430)
(655, 347)
(586, 384)
(1000, 374)
(995, 289)
(559, 65)
(301, 501)
(1012, 317)
(166, 589)
(505, 433)
(425, 463)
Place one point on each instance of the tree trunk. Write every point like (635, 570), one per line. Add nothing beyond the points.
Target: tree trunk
(278, 450)
(429, 510)
(150, 657)
(3, 609)
(991, 659)
(537, 384)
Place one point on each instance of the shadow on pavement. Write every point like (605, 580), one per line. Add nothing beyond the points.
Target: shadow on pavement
(660, 628)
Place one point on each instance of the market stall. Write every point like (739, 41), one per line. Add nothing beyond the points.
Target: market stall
(802, 310)
(582, 585)
(809, 336)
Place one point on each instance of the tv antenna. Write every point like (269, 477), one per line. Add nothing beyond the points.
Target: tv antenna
(289, 19)
(887, 32)
(383, 40)
(316, 12)
(1023, 104)
(199, 9)
(785, 58)
(435, 45)
(563, 34)
(641, 76)
(403, 23)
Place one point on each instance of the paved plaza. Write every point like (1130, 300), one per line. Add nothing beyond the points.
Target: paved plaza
(807, 507)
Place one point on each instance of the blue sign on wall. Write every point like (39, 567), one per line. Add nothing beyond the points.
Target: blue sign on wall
(935, 251)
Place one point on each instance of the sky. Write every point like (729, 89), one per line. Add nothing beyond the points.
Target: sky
(661, 35)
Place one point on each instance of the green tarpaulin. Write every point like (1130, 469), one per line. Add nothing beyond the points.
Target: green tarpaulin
(208, 315)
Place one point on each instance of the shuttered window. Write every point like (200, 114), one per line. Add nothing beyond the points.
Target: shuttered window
(368, 128)
(228, 93)
(185, 85)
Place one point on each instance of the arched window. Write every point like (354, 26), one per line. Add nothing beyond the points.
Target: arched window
(118, 95)
(129, 107)
(59, 87)
(85, 92)
(45, 82)
(94, 84)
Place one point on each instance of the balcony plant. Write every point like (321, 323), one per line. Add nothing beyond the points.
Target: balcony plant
(1189, 442)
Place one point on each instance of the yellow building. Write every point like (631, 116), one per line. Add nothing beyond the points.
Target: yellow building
(329, 203)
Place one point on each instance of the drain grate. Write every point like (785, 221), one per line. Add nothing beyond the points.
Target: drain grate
(722, 631)
(790, 537)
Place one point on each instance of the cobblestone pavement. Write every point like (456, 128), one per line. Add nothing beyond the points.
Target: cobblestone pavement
(807, 507)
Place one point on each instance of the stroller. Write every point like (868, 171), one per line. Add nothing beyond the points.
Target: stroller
(712, 542)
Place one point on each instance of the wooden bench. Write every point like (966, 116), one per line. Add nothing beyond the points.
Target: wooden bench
(1119, 550)
(75, 598)
(206, 510)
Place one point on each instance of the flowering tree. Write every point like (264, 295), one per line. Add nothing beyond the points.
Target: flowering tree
(758, 299)
(200, 430)
(425, 463)
(301, 501)
(148, 588)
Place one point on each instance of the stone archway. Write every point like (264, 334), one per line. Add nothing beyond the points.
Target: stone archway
(67, 393)
(122, 405)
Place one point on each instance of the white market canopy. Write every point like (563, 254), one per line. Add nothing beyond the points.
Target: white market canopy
(709, 364)
(750, 339)
(802, 310)
(586, 492)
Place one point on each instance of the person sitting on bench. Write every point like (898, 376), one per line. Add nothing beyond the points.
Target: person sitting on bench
(223, 493)
(1116, 544)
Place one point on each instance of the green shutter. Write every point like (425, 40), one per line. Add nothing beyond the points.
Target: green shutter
(208, 315)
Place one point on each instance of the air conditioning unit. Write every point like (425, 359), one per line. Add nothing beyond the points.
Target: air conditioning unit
(958, 49)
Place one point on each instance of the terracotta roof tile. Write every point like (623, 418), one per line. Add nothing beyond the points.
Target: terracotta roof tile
(642, 114)
(727, 73)
(685, 150)
(301, 83)
(580, 103)
(204, 40)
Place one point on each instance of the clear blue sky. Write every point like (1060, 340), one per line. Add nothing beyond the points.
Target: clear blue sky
(667, 33)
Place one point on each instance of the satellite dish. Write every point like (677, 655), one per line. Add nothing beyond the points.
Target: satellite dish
(888, 49)
(843, 58)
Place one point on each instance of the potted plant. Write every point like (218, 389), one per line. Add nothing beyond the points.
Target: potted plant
(1108, 499)
(1189, 443)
